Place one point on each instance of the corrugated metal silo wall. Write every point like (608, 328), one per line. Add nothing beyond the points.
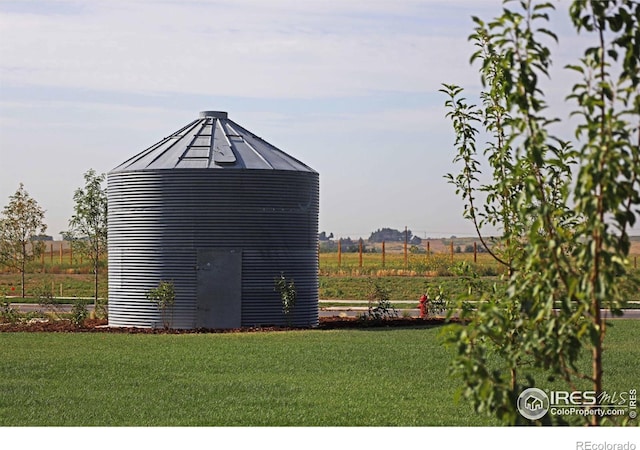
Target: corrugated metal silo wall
(159, 220)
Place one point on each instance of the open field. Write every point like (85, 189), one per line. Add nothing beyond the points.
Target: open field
(417, 264)
(442, 245)
(376, 377)
(57, 285)
(58, 258)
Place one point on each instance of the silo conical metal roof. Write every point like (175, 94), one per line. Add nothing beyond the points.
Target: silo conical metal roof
(212, 141)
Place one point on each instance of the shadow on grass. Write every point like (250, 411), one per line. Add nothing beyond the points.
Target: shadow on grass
(333, 323)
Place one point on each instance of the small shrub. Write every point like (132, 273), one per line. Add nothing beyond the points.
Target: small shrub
(288, 293)
(79, 313)
(164, 296)
(8, 314)
(438, 304)
(100, 311)
(380, 307)
(45, 298)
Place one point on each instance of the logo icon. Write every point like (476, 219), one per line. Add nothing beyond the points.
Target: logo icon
(533, 403)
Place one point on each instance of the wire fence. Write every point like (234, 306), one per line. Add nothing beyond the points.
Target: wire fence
(430, 258)
(447, 258)
(403, 259)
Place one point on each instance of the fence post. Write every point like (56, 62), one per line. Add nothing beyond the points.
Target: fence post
(383, 254)
(360, 251)
(451, 248)
(51, 253)
(339, 252)
(428, 248)
(475, 252)
(61, 242)
(406, 261)
(71, 254)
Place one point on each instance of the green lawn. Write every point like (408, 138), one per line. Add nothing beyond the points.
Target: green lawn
(392, 377)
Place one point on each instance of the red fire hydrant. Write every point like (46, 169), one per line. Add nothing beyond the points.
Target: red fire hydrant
(424, 305)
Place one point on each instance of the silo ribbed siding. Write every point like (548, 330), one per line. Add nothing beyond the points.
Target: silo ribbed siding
(160, 219)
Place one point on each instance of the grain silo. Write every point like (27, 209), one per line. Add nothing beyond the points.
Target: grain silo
(221, 213)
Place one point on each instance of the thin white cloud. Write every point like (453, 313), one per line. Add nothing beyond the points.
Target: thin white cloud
(316, 49)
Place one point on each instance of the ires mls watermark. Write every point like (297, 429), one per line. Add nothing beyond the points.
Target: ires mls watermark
(534, 403)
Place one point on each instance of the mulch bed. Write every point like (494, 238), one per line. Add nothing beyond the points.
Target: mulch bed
(101, 326)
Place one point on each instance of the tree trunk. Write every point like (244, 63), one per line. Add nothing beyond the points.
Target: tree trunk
(513, 379)
(95, 271)
(23, 265)
(597, 360)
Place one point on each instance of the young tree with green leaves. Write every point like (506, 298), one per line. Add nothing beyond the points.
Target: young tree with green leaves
(22, 219)
(288, 293)
(88, 225)
(564, 208)
(164, 296)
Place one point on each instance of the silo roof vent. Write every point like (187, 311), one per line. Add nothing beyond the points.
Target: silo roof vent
(214, 114)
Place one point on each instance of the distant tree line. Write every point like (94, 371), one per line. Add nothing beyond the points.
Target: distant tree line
(347, 245)
(392, 235)
(329, 243)
(322, 237)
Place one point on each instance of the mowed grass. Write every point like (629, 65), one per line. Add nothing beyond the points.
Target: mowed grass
(377, 377)
(303, 378)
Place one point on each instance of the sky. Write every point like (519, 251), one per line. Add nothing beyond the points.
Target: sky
(349, 87)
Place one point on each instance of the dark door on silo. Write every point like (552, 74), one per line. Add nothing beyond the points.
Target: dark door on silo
(219, 302)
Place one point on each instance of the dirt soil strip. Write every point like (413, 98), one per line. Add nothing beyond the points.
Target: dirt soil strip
(101, 326)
